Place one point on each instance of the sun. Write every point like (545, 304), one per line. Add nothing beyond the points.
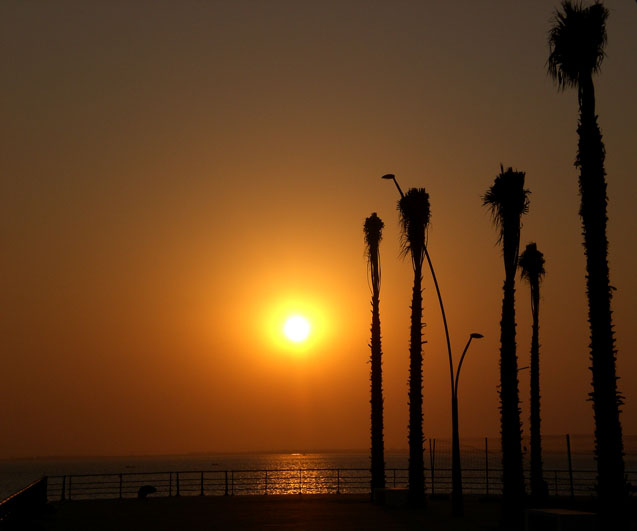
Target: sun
(297, 328)
(297, 325)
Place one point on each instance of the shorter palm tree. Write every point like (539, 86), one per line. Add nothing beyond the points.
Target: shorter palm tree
(373, 230)
(532, 270)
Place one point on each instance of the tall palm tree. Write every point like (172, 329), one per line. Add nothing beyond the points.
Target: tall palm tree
(532, 270)
(576, 42)
(373, 229)
(508, 200)
(414, 220)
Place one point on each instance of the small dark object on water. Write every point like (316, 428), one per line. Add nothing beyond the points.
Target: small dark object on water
(145, 490)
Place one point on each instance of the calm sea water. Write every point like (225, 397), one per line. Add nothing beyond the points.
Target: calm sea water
(17, 473)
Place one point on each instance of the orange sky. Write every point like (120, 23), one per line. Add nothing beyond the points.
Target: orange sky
(177, 175)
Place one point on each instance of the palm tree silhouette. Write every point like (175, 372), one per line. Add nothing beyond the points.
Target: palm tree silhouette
(373, 229)
(508, 200)
(532, 270)
(576, 42)
(414, 220)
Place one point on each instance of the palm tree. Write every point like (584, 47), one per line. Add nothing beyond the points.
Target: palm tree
(576, 42)
(373, 229)
(508, 200)
(532, 270)
(414, 220)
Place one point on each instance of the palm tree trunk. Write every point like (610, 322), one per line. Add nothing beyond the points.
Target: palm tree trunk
(511, 431)
(378, 451)
(611, 485)
(538, 486)
(416, 460)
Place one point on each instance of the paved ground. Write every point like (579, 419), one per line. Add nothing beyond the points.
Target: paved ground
(243, 513)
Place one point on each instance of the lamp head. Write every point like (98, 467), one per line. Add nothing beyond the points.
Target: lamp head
(388, 176)
(475, 335)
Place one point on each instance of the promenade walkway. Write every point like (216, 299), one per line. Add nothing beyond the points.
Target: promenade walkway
(247, 513)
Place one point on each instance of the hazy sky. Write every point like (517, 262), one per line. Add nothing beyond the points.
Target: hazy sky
(177, 177)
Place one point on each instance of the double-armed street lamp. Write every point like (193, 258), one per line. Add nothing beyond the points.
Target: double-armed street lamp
(456, 470)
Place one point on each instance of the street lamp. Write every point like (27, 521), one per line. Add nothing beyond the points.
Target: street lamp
(392, 177)
(457, 505)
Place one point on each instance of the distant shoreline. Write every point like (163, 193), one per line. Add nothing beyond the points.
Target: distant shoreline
(551, 443)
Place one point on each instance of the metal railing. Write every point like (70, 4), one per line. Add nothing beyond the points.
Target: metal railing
(217, 482)
(480, 481)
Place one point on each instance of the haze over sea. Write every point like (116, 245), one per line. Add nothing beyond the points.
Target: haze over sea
(17, 473)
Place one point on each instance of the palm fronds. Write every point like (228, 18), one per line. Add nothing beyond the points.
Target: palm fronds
(576, 42)
(373, 230)
(415, 214)
(532, 263)
(507, 199)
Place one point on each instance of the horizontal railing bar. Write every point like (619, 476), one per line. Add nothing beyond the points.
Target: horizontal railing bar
(236, 471)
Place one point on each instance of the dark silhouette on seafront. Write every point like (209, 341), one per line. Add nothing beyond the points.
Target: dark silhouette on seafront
(577, 41)
(508, 200)
(532, 270)
(373, 230)
(145, 490)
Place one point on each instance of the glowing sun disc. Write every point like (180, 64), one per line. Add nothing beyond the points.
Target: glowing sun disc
(296, 328)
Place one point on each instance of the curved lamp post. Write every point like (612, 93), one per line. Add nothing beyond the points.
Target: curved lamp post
(457, 505)
(456, 471)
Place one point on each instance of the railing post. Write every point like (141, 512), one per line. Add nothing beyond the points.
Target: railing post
(300, 483)
(226, 474)
(266, 482)
(120, 486)
(486, 462)
(63, 497)
(555, 476)
(170, 484)
(232, 481)
(394, 478)
(570, 464)
(70, 486)
(338, 481)
(201, 494)
(432, 461)
(177, 483)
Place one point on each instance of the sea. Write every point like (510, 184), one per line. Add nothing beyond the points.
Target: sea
(478, 454)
